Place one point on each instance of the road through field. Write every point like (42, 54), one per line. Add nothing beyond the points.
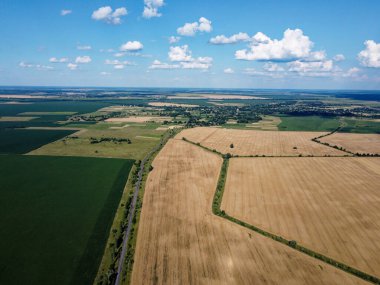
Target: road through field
(180, 241)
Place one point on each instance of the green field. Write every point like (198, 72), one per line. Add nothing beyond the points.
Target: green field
(55, 216)
(308, 123)
(360, 126)
(21, 141)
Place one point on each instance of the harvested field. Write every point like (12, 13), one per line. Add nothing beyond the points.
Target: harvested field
(165, 104)
(16, 119)
(356, 143)
(180, 241)
(252, 142)
(268, 123)
(138, 119)
(330, 205)
(215, 96)
(9, 96)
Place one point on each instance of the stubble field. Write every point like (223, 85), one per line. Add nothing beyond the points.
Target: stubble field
(251, 142)
(180, 241)
(356, 143)
(330, 205)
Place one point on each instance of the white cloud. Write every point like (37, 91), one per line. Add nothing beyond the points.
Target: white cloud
(84, 48)
(83, 59)
(37, 66)
(254, 72)
(132, 46)
(339, 57)
(370, 56)
(72, 66)
(119, 66)
(25, 65)
(119, 54)
(66, 12)
(109, 16)
(272, 67)
(117, 62)
(228, 70)
(316, 56)
(163, 65)
(294, 45)
(313, 66)
(105, 73)
(58, 60)
(151, 8)
(190, 29)
(174, 39)
(180, 53)
(222, 39)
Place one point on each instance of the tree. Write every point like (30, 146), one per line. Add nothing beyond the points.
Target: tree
(232, 145)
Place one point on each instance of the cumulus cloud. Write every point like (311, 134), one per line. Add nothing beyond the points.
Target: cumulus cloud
(370, 56)
(151, 8)
(228, 70)
(84, 47)
(58, 60)
(314, 66)
(117, 62)
(190, 29)
(105, 73)
(119, 66)
(83, 59)
(109, 16)
(272, 67)
(183, 55)
(66, 12)
(72, 66)
(180, 53)
(222, 39)
(132, 46)
(163, 65)
(174, 39)
(293, 45)
(339, 57)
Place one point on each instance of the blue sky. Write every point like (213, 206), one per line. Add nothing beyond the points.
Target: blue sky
(221, 44)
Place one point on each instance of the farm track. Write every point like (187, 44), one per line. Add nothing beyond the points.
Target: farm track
(290, 243)
(132, 209)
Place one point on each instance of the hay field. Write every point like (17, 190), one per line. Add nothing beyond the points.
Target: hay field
(137, 119)
(356, 143)
(330, 205)
(253, 142)
(180, 241)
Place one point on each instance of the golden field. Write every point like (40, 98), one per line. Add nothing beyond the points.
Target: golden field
(180, 241)
(329, 205)
(253, 142)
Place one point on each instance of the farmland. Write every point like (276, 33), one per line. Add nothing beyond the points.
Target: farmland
(268, 143)
(329, 205)
(180, 241)
(356, 143)
(308, 123)
(56, 213)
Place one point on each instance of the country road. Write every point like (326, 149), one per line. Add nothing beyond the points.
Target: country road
(132, 210)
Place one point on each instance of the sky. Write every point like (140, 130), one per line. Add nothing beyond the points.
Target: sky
(199, 44)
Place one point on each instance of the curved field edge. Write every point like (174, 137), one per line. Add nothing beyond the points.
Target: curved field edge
(57, 216)
(216, 209)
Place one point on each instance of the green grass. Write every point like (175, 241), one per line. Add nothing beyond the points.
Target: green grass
(308, 123)
(55, 216)
(360, 126)
(20, 141)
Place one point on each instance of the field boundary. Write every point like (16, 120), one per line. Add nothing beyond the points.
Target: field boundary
(216, 210)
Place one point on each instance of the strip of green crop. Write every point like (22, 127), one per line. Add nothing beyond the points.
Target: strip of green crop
(216, 209)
